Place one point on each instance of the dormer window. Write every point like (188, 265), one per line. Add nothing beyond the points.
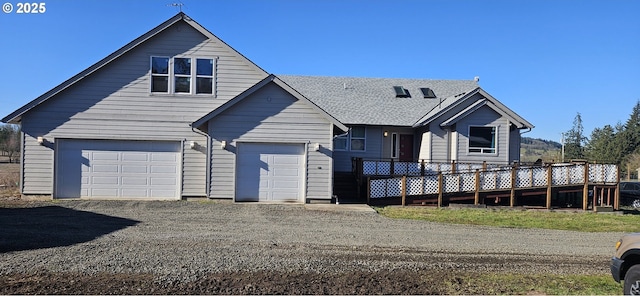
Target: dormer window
(181, 75)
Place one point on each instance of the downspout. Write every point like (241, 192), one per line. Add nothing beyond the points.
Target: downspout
(208, 164)
(520, 144)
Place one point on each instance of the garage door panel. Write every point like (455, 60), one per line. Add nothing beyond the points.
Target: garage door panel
(118, 169)
(114, 181)
(104, 156)
(135, 181)
(134, 156)
(158, 169)
(111, 168)
(280, 185)
(163, 181)
(286, 172)
(162, 193)
(134, 169)
(292, 160)
(104, 192)
(284, 196)
(162, 157)
(134, 192)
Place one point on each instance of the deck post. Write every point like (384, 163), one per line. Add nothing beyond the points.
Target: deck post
(484, 165)
(549, 185)
(512, 194)
(453, 166)
(585, 188)
(422, 167)
(392, 170)
(440, 189)
(616, 197)
(476, 197)
(403, 189)
(369, 190)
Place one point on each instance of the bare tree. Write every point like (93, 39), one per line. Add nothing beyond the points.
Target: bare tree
(10, 141)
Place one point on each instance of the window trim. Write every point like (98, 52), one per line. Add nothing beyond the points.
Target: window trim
(151, 74)
(349, 137)
(346, 143)
(193, 76)
(188, 76)
(196, 75)
(363, 138)
(483, 150)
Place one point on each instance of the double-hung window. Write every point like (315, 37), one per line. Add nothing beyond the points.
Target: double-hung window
(204, 76)
(482, 139)
(160, 74)
(358, 138)
(182, 75)
(355, 140)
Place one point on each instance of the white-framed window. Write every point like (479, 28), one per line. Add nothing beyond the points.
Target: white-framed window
(160, 74)
(355, 140)
(182, 75)
(482, 139)
(204, 76)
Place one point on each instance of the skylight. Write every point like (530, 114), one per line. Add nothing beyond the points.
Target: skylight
(401, 92)
(427, 92)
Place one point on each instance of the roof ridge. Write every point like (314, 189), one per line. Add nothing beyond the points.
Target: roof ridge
(382, 78)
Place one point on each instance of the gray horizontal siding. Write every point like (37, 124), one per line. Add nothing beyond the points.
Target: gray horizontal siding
(484, 116)
(271, 115)
(115, 103)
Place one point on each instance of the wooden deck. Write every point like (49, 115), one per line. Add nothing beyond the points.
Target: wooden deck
(584, 184)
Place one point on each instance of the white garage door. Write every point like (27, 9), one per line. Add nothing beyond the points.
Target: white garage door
(270, 172)
(117, 169)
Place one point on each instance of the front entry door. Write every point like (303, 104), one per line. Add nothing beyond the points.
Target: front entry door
(406, 147)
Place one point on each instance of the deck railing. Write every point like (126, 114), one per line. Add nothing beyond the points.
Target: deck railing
(420, 179)
(389, 167)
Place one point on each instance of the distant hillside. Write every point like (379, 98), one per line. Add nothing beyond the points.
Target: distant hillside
(533, 149)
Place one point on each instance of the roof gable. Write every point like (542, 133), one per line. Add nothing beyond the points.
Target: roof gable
(271, 78)
(487, 100)
(15, 117)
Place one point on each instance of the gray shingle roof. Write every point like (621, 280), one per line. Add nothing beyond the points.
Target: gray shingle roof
(372, 101)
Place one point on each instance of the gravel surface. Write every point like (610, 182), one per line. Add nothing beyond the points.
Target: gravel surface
(184, 241)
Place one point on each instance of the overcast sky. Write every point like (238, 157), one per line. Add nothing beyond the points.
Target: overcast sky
(546, 60)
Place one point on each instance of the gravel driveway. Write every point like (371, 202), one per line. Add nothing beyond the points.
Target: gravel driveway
(185, 240)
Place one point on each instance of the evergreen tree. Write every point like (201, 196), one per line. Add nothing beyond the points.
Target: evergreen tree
(632, 131)
(601, 145)
(575, 140)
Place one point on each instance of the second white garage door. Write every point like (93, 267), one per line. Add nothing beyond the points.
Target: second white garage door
(118, 169)
(270, 172)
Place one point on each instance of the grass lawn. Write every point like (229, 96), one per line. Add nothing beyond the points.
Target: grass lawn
(561, 220)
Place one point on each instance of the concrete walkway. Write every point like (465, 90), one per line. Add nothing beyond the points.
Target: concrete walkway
(340, 207)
